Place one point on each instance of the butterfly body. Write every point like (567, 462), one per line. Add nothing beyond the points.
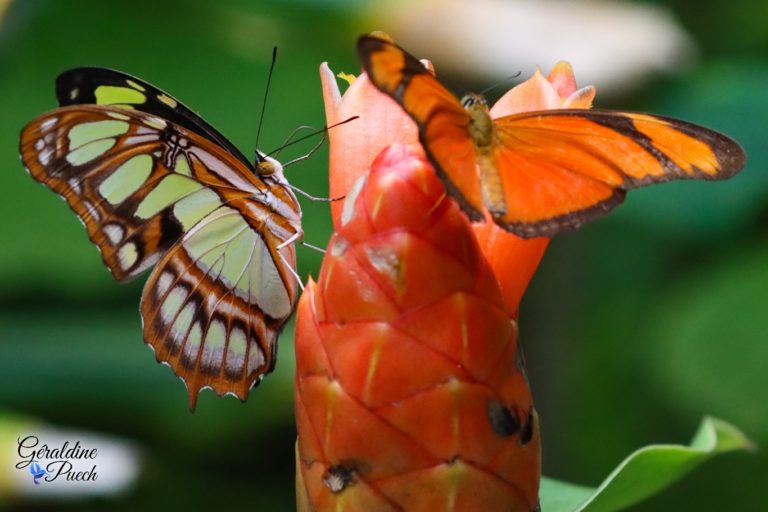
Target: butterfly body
(154, 186)
(480, 128)
(482, 131)
(543, 172)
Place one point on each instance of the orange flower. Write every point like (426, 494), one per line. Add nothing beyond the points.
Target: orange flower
(382, 122)
(410, 391)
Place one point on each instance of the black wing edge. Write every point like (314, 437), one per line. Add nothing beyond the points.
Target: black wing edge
(85, 80)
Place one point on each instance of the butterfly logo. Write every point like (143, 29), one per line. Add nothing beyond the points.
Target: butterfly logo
(540, 173)
(157, 186)
(37, 472)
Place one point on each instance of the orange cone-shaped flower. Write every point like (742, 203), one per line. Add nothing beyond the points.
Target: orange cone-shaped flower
(410, 389)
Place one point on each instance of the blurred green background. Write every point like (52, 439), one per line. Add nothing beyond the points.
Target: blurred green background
(634, 327)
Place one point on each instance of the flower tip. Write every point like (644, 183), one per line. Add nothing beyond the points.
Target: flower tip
(582, 98)
(331, 93)
(562, 78)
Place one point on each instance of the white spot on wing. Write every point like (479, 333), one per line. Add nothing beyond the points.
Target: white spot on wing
(92, 211)
(236, 351)
(44, 157)
(213, 349)
(48, 123)
(173, 303)
(114, 232)
(163, 283)
(255, 357)
(75, 184)
(181, 324)
(193, 342)
(127, 256)
(155, 122)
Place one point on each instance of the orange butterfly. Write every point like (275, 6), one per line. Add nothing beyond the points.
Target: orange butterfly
(539, 173)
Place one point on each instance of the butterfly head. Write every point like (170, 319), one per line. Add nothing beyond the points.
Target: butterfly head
(481, 124)
(267, 166)
(473, 102)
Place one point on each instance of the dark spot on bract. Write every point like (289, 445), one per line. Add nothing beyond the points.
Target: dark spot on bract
(503, 422)
(337, 478)
(527, 433)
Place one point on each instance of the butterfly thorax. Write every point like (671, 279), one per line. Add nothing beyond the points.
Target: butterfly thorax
(480, 124)
(482, 132)
(267, 166)
(278, 197)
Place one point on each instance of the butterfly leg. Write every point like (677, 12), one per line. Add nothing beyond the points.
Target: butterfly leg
(310, 152)
(293, 238)
(313, 247)
(314, 198)
(292, 270)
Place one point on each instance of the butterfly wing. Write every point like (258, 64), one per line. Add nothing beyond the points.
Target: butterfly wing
(214, 306)
(103, 86)
(540, 173)
(561, 168)
(147, 189)
(442, 121)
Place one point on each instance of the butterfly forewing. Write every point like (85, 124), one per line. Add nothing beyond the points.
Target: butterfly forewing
(148, 190)
(439, 116)
(540, 173)
(102, 86)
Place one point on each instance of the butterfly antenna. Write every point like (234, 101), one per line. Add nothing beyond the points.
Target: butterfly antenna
(499, 83)
(324, 131)
(289, 138)
(264, 103)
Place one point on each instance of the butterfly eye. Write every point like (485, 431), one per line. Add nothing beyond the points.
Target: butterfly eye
(471, 100)
(265, 168)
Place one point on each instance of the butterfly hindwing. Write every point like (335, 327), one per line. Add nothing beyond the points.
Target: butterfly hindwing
(539, 173)
(581, 162)
(215, 304)
(149, 190)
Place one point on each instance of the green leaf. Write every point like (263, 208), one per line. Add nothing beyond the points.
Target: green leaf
(645, 472)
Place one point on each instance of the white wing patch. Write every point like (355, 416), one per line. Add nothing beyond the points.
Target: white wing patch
(225, 246)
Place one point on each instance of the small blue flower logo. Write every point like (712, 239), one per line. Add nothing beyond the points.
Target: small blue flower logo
(37, 472)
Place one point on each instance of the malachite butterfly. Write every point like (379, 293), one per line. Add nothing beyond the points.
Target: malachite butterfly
(154, 184)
